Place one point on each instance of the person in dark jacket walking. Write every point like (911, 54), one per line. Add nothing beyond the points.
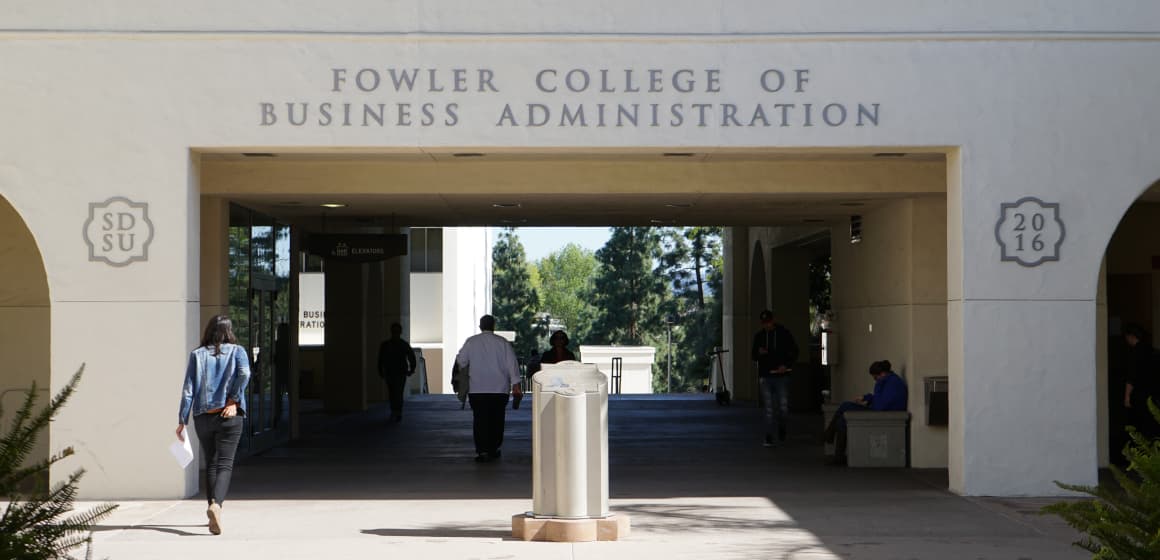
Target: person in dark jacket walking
(890, 393)
(775, 352)
(396, 363)
(1143, 380)
(559, 351)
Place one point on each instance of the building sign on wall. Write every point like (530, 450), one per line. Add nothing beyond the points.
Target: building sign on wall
(362, 247)
(584, 97)
(311, 309)
(118, 231)
(1029, 231)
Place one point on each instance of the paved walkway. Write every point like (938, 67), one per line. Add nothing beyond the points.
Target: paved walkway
(692, 476)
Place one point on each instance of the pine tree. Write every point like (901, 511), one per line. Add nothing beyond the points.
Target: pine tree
(514, 301)
(688, 260)
(630, 289)
(692, 262)
(34, 526)
(1123, 521)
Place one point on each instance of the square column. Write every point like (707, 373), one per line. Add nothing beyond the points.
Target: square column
(345, 354)
(1021, 346)
(735, 313)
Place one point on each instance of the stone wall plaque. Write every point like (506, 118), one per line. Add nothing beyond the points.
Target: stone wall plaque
(1029, 231)
(118, 231)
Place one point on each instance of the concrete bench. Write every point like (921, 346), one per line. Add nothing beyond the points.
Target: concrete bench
(877, 439)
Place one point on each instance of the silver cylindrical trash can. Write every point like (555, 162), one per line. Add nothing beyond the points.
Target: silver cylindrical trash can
(570, 442)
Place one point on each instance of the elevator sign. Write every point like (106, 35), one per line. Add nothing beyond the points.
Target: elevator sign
(118, 231)
(1029, 231)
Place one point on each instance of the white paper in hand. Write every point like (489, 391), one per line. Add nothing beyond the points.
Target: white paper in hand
(182, 451)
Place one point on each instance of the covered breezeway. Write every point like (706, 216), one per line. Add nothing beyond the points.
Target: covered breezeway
(795, 204)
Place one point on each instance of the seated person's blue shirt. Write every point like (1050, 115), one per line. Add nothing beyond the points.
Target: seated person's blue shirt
(889, 393)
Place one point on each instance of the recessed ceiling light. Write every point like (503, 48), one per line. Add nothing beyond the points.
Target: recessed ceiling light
(505, 205)
(333, 205)
(258, 154)
(467, 154)
(890, 154)
(678, 154)
(679, 205)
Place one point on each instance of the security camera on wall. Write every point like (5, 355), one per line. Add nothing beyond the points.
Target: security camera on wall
(855, 229)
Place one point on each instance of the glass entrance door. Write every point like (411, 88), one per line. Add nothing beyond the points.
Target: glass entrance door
(261, 390)
(260, 309)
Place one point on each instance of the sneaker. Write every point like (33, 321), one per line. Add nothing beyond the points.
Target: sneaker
(483, 458)
(768, 441)
(214, 513)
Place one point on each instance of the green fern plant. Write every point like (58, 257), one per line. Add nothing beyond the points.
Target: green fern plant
(36, 524)
(1123, 521)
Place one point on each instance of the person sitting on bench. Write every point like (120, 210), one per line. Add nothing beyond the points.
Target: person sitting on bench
(889, 394)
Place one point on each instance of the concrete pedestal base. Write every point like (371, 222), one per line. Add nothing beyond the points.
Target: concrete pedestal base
(611, 528)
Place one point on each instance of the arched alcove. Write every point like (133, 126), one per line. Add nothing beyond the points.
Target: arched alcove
(1128, 293)
(24, 319)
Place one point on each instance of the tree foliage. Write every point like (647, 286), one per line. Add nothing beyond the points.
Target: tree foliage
(820, 282)
(514, 300)
(644, 284)
(566, 282)
(693, 263)
(36, 524)
(629, 288)
(1123, 521)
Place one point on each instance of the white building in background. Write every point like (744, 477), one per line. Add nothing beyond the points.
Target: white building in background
(450, 291)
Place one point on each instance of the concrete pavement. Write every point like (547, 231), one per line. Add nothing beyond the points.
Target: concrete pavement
(692, 476)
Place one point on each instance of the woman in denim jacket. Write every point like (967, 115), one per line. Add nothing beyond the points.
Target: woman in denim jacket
(215, 392)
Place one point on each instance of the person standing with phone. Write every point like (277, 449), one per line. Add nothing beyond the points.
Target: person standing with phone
(775, 352)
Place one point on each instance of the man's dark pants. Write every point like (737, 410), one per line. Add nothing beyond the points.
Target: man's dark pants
(836, 432)
(489, 411)
(219, 439)
(395, 386)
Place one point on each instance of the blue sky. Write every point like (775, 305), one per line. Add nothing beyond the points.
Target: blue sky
(539, 242)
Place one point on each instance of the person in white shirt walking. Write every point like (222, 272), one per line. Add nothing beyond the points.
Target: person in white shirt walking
(494, 373)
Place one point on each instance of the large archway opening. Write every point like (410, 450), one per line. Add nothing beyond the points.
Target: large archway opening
(24, 319)
(783, 204)
(1128, 298)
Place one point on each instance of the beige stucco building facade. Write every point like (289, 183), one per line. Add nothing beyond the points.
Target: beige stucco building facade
(991, 148)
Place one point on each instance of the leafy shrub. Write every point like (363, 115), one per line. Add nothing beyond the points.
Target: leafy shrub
(36, 524)
(1123, 521)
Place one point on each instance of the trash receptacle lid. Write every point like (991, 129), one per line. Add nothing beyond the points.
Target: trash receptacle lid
(569, 378)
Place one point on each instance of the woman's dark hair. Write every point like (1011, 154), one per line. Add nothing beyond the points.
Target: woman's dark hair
(880, 367)
(219, 330)
(559, 334)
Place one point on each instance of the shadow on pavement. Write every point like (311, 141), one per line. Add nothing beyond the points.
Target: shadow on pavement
(443, 532)
(683, 469)
(168, 529)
